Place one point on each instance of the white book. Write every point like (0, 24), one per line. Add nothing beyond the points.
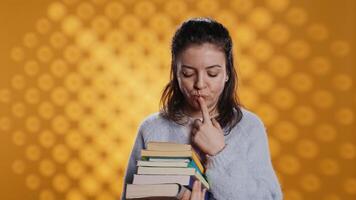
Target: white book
(169, 159)
(161, 164)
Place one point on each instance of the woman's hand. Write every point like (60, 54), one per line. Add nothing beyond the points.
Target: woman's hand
(196, 194)
(207, 134)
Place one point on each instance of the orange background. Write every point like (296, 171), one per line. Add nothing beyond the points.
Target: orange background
(77, 77)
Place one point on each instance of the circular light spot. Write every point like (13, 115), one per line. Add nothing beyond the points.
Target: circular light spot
(268, 113)
(75, 169)
(5, 95)
(288, 164)
(280, 66)
(304, 115)
(17, 54)
(32, 181)
(329, 166)
(114, 10)
(285, 131)
(101, 25)
(71, 25)
(89, 185)
(73, 82)
(263, 82)
(320, 65)
(61, 183)
(74, 140)
(47, 139)
(283, 98)
(59, 96)
(350, 186)
(60, 153)
(248, 67)
(278, 33)
(18, 109)
(56, 11)
(299, 49)
(296, 16)
(260, 18)
(277, 5)
(33, 152)
(30, 40)
(317, 32)
(43, 26)
(32, 96)
(245, 35)
(347, 150)
(307, 149)
(47, 195)
(241, 6)
(145, 9)
(5, 124)
(301, 82)
(342, 82)
(33, 124)
(248, 97)
(60, 124)
(47, 168)
(293, 194)
(45, 54)
(86, 39)
(31, 68)
(331, 197)
(19, 138)
(344, 116)
(58, 40)
(340, 48)
(261, 50)
(325, 132)
(72, 54)
(310, 182)
(75, 194)
(18, 166)
(59, 68)
(323, 99)
(18, 82)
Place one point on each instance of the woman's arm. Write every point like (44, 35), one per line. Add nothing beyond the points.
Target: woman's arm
(243, 169)
(131, 166)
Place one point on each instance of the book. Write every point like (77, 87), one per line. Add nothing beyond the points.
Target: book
(174, 154)
(161, 164)
(173, 171)
(168, 146)
(172, 191)
(153, 159)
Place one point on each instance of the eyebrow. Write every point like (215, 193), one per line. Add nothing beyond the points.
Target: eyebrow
(208, 67)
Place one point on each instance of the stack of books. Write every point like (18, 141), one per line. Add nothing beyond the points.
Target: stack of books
(166, 171)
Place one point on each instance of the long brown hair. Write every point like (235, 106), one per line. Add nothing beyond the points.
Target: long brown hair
(199, 31)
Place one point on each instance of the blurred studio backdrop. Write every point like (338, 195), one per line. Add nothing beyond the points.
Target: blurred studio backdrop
(78, 76)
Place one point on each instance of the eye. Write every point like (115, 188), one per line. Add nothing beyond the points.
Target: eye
(213, 74)
(186, 74)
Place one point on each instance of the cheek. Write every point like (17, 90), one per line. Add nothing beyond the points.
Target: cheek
(185, 85)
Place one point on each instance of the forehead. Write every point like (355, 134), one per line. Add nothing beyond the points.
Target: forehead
(202, 55)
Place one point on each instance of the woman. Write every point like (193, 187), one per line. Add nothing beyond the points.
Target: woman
(199, 106)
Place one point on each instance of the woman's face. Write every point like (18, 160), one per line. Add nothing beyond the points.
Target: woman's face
(201, 70)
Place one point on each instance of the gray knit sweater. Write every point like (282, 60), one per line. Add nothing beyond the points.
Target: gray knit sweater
(242, 170)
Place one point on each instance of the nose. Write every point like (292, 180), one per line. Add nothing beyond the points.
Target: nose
(199, 82)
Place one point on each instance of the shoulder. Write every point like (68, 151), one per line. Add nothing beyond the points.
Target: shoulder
(250, 119)
(154, 122)
(250, 124)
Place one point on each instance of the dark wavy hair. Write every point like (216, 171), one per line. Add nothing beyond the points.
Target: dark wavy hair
(200, 31)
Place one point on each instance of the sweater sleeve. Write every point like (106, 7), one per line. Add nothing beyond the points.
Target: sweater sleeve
(243, 169)
(134, 156)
